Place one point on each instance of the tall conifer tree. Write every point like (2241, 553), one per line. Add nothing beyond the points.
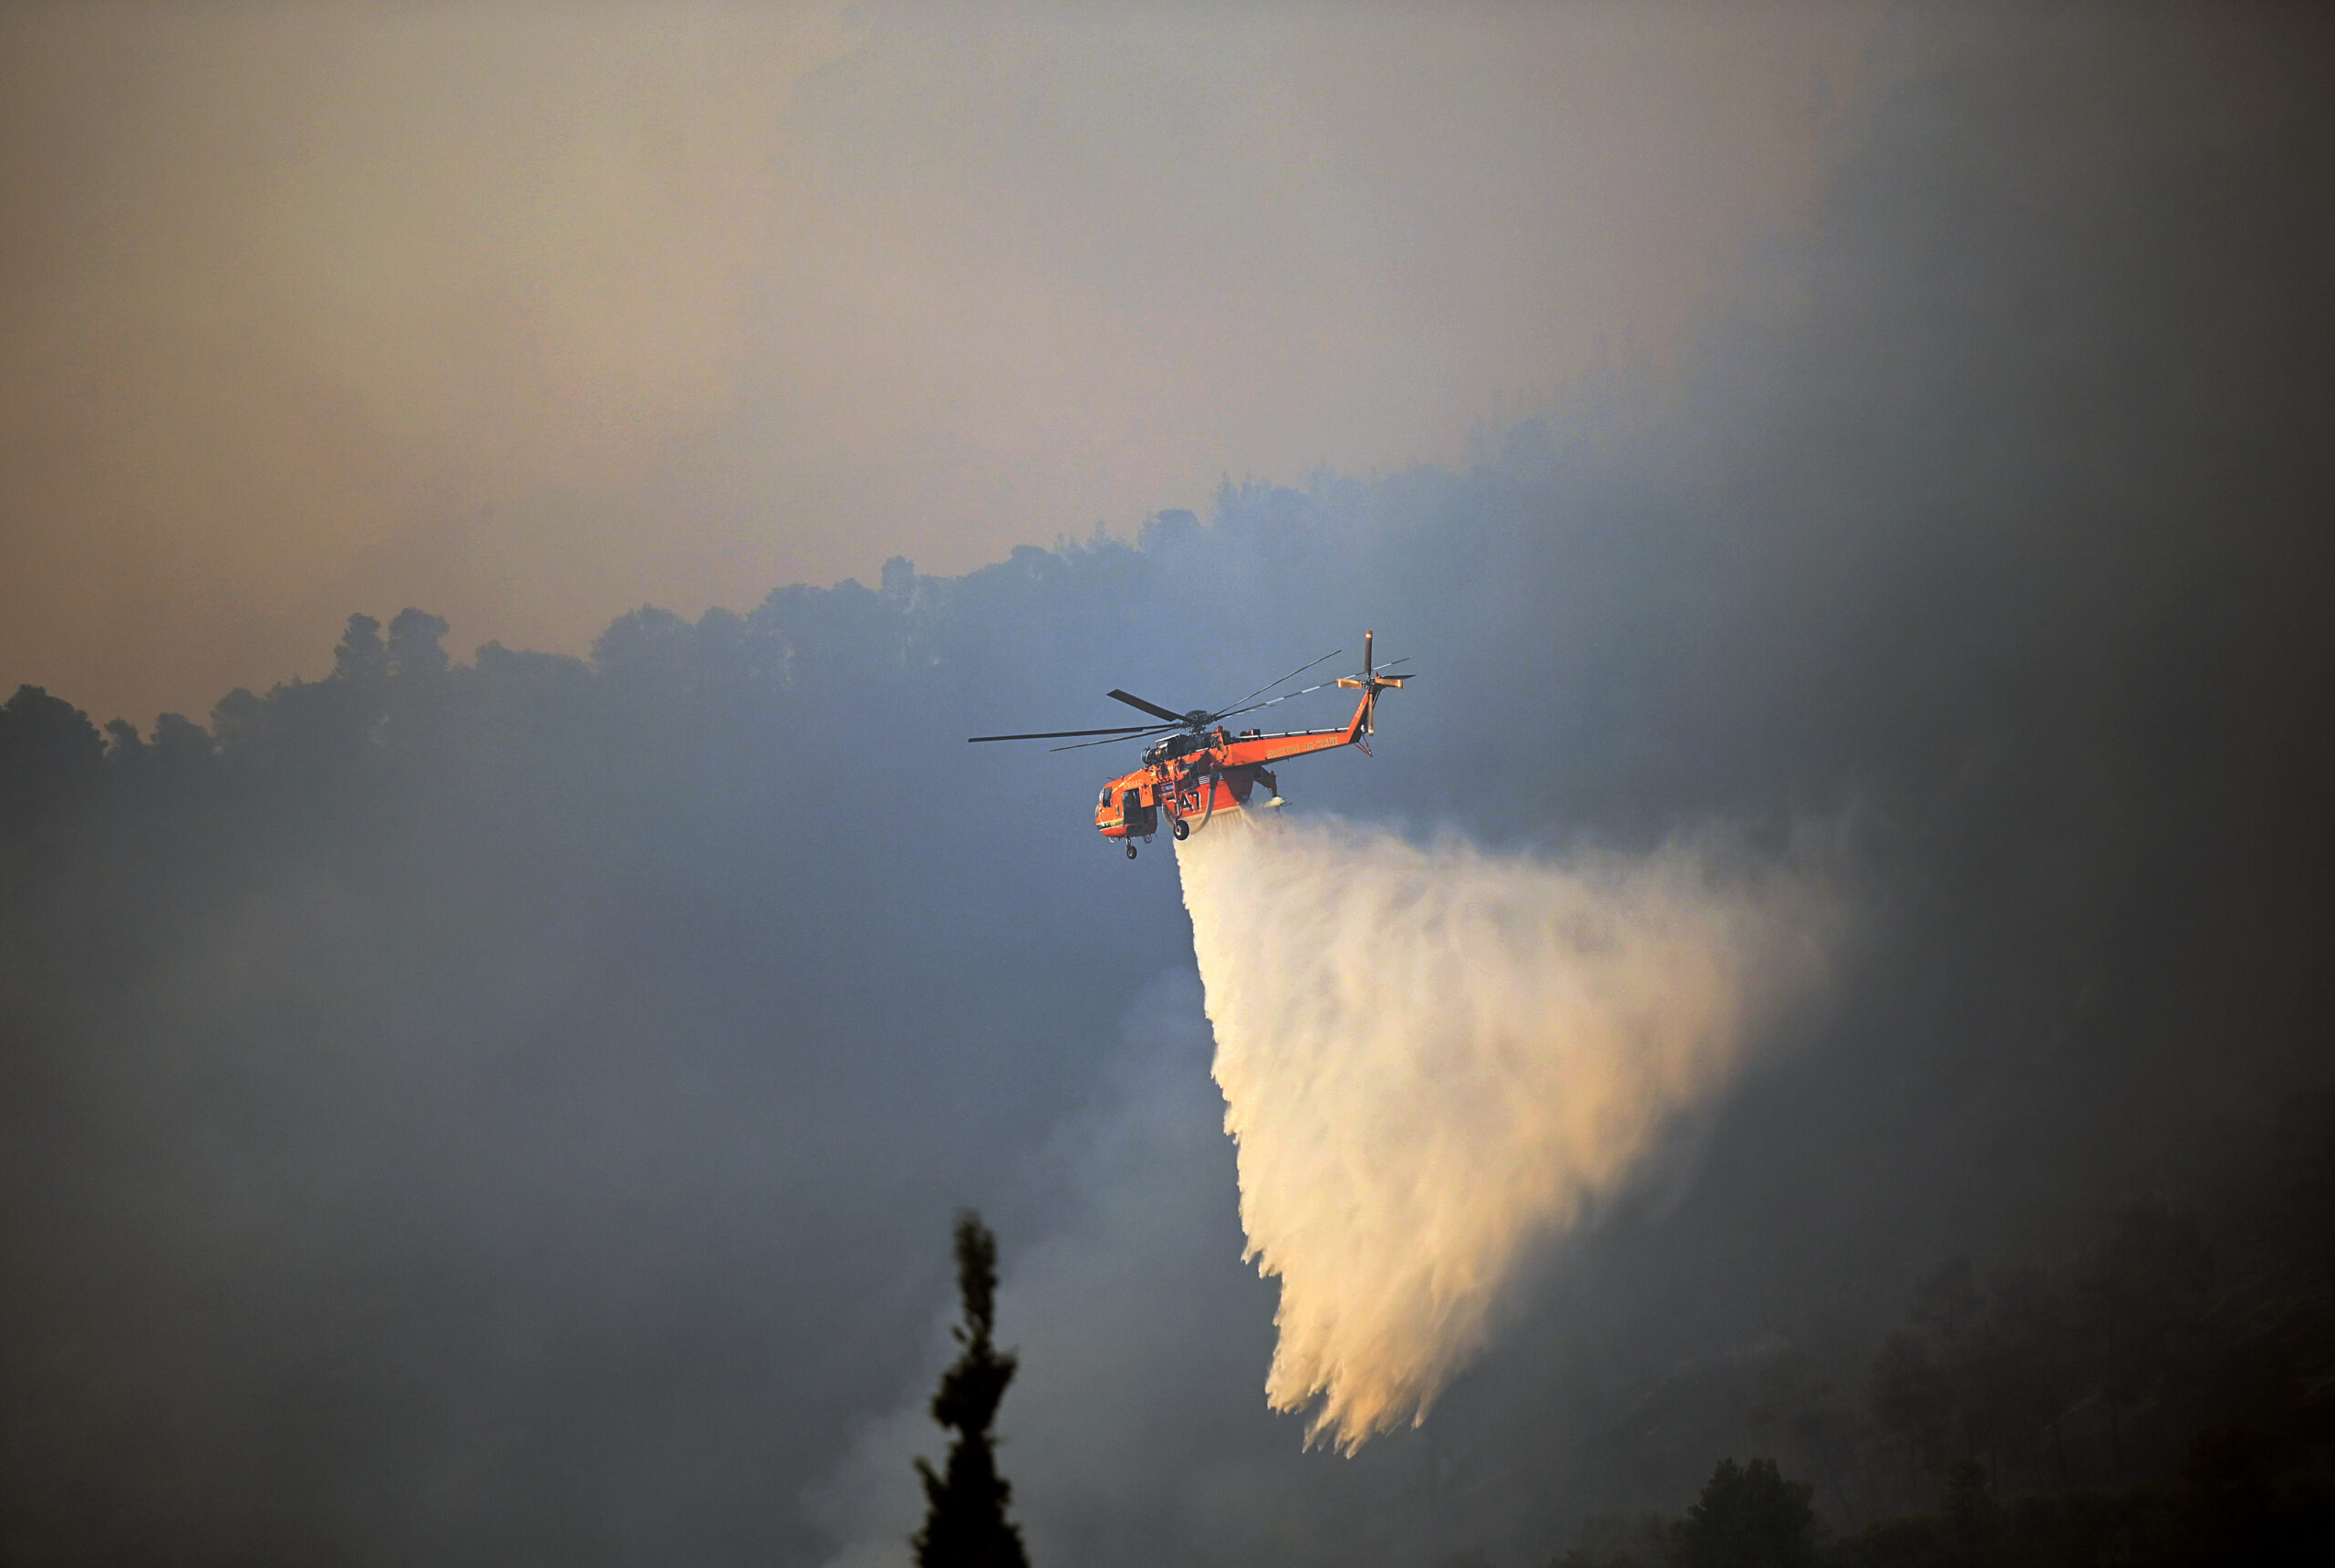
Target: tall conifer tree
(964, 1520)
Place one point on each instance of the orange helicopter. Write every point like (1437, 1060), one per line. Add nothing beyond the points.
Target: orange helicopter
(1189, 778)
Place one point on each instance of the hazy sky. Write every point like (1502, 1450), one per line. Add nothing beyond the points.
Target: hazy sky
(528, 314)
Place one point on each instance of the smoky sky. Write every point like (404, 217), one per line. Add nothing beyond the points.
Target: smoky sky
(511, 1106)
(534, 312)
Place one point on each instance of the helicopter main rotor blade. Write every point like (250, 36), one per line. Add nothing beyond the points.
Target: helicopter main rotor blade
(1154, 709)
(1301, 691)
(1058, 734)
(1234, 706)
(1276, 701)
(1081, 745)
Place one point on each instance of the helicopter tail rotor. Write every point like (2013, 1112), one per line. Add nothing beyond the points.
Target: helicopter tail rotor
(1370, 684)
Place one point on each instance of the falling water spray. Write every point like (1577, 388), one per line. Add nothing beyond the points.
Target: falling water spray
(1435, 1061)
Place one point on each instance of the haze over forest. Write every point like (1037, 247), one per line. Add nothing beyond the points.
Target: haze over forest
(482, 1104)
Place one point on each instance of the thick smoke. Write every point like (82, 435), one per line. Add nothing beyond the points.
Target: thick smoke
(1433, 1059)
(505, 1107)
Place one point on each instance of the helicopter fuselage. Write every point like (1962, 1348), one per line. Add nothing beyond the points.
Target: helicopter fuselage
(1186, 780)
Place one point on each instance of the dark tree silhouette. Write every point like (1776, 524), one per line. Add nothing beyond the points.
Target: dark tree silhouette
(964, 1520)
(416, 645)
(49, 753)
(1972, 1518)
(1749, 1517)
(2141, 1292)
(362, 656)
(2020, 1370)
(1911, 1403)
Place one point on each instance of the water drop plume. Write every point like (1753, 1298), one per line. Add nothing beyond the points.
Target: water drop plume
(1435, 1060)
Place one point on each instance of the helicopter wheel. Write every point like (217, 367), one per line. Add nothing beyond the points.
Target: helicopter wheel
(1183, 829)
(1130, 851)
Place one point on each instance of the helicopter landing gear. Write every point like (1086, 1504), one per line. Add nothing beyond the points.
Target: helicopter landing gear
(1130, 851)
(1183, 830)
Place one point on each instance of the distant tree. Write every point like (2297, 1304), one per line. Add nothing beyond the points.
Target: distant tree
(239, 717)
(49, 753)
(362, 656)
(1972, 1517)
(416, 645)
(2302, 1210)
(2231, 1504)
(1947, 1303)
(2019, 1370)
(1910, 1401)
(1619, 1541)
(899, 582)
(1793, 1399)
(178, 737)
(2140, 1298)
(964, 1520)
(1749, 1517)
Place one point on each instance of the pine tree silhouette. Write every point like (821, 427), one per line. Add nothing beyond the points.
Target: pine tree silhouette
(964, 1520)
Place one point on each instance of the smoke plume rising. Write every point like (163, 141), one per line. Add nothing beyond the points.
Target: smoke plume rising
(1433, 1059)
